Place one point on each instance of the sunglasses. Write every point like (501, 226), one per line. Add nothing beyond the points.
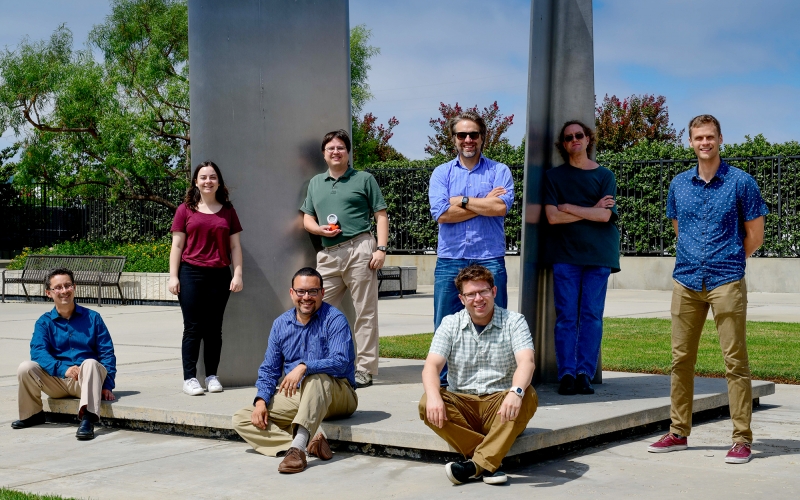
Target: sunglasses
(472, 135)
(579, 136)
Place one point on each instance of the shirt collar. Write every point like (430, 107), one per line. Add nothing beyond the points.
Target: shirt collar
(497, 319)
(457, 163)
(78, 310)
(722, 171)
(347, 173)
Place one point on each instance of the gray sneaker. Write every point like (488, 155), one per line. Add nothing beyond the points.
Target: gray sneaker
(363, 379)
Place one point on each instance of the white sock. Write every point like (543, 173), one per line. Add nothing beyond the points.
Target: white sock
(301, 438)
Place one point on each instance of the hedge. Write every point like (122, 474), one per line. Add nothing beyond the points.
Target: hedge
(147, 257)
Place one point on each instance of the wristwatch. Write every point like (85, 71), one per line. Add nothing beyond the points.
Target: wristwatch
(517, 390)
(464, 202)
(382, 248)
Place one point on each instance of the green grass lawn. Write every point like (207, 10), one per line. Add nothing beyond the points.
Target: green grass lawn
(642, 345)
(6, 494)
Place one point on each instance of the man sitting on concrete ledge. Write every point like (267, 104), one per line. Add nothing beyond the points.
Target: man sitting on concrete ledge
(71, 355)
(489, 399)
(313, 346)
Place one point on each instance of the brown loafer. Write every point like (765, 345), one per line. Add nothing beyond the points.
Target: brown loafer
(320, 448)
(293, 462)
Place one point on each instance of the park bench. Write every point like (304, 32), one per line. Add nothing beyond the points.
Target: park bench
(92, 270)
(391, 273)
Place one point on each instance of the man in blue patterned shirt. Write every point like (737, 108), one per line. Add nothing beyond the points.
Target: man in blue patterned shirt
(718, 216)
(312, 347)
(489, 399)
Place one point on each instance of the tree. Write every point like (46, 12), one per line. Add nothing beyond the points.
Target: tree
(372, 141)
(441, 144)
(360, 54)
(621, 124)
(123, 124)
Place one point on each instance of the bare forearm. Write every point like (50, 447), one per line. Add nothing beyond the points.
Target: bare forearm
(554, 216)
(524, 373)
(595, 214)
(236, 259)
(490, 206)
(382, 223)
(752, 243)
(754, 235)
(430, 379)
(456, 214)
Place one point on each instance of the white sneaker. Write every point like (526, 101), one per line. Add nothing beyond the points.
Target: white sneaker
(212, 384)
(192, 387)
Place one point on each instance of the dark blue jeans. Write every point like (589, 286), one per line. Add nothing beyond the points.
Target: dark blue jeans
(203, 297)
(580, 297)
(445, 293)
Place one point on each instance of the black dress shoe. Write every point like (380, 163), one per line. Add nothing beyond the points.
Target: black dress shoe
(584, 385)
(85, 430)
(37, 419)
(567, 387)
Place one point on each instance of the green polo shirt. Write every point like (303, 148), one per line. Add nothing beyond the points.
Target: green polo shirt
(354, 198)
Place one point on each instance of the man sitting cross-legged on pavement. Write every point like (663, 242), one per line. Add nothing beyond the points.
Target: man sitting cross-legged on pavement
(313, 346)
(489, 399)
(71, 355)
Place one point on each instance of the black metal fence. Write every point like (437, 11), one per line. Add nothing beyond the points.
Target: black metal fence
(39, 216)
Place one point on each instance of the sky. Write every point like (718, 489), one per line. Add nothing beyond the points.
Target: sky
(736, 59)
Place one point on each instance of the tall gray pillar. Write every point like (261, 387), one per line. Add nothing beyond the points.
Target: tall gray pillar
(268, 79)
(560, 88)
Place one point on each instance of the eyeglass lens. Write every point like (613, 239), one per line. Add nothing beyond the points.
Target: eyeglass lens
(486, 292)
(61, 288)
(311, 292)
(335, 148)
(579, 136)
(472, 135)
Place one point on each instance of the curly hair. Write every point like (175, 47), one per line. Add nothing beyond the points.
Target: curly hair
(471, 116)
(586, 130)
(192, 197)
(475, 272)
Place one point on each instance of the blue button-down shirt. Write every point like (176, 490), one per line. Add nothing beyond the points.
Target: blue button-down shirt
(711, 218)
(59, 343)
(324, 345)
(481, 237)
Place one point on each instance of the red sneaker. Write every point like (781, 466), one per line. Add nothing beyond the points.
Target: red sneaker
(739, 454)
(670, 442)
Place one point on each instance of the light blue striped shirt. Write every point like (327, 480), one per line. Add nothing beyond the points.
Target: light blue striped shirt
(325, 345)
(481, 237)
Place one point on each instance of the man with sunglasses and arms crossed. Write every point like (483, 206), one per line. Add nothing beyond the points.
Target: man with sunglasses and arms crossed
(338, 207)
(489, 400)
(311, 346)
(718, 216)
(469, 197)
(72, 355)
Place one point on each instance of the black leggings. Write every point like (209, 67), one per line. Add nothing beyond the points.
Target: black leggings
(203, 297)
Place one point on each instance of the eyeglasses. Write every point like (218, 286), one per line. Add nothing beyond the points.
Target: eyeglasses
(579, 136)
(463, 135)
(335, 148)
(63, 288)
(311, 292)
(485, 293)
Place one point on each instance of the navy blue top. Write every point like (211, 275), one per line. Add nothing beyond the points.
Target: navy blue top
(711, 217)
(59, 343)
(324, 345)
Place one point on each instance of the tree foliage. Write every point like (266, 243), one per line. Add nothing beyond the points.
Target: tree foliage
(371, 141)
(440, 145)
(360, 54)
(622, 124)
(122, 124)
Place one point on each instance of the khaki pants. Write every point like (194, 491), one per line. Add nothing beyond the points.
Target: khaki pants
(689, 311)
(473, 427)
(321, 397)
(346, 266)
(33, 380)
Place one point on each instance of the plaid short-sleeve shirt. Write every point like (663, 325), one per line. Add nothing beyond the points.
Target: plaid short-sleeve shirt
(481, 363)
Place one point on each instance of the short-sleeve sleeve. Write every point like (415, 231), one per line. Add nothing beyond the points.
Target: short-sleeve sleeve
(235, 225)
(376, 201)
(751, 204)
(442, 342)
(672, 206)
(308, 205)
(550, 194)
(520, 334)
(179, 221)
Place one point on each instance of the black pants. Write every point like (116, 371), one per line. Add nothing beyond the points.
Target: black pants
(203, 297)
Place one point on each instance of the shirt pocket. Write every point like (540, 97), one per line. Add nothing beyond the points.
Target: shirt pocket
(484, 187)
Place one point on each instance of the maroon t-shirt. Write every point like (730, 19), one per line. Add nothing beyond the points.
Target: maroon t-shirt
(208, 236)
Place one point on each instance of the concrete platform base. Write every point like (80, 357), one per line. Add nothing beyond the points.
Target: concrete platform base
(388, 420)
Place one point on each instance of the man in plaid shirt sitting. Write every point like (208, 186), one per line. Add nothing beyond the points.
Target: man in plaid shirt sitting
(489, 399)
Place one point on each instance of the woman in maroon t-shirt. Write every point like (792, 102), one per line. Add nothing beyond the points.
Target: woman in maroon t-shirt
(205, 240)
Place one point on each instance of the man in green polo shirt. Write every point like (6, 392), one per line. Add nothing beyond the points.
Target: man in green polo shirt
(338, 208)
